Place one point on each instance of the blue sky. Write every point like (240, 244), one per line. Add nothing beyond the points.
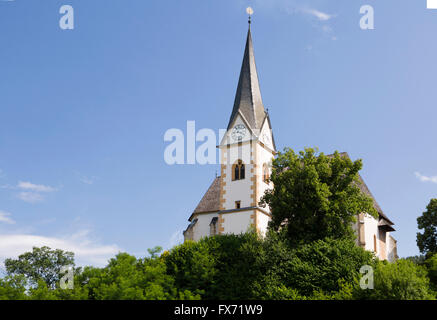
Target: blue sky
(83, 112)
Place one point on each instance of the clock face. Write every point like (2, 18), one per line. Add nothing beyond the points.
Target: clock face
(238, 132)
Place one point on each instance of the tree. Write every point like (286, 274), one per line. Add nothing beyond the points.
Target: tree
(324, 265)
(402, 280)
(316, 196)
(431, 266)
(427, 241)
(129, 278)
(40, 264)
(220, 267)
(13, 288)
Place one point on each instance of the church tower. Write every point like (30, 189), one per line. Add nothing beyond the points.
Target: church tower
(246, 152)
(232, 203)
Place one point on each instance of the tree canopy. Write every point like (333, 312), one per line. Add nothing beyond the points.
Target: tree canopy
(319, 194)
(427, 240)
(41, 264)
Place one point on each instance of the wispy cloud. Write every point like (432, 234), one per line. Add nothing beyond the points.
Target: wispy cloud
(31, 193)
(5, 217)
(321, 16)
(87, 180)
(35, 187)
(30, 197)
(425, 178)
(86, 250)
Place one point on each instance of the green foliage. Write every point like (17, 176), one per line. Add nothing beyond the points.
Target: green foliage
(318, 193)
(191, 266)
(427, 241)
(40, 264)
(239, 267)
(431, 266)
(42, 292)
(345, 292)
(13, 288)
(402, 280)
(320, 266)
(218, 267)
(248, 267)
(129, 278)
(419, 260)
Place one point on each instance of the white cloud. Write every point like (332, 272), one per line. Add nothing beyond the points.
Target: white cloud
(320, 19)
(5, 217)
(30, 197)
(322, 16)
(35, 187)
(87, 180)
(32, 193)
(425, 178)
(87, 251)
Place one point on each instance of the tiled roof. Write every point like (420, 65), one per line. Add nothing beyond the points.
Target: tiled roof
(363, 187)
(211, 200)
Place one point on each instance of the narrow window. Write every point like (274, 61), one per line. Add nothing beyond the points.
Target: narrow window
(374, 243)
(238, 171)
(266, 175)
(213, 226)
(237, 204)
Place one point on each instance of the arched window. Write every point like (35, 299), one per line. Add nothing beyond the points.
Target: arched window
(238, 170)
(266, 173)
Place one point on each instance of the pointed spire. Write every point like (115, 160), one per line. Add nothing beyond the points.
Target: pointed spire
(248, 97)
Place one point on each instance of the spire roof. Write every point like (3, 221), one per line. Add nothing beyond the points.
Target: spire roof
(248, 97)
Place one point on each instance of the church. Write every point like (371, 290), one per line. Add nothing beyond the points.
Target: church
(231, 205)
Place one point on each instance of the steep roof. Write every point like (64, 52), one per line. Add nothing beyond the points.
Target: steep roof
(365, 189)
(211, 200)
(248, 99)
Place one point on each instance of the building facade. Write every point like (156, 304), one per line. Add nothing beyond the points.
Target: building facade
(231, 205)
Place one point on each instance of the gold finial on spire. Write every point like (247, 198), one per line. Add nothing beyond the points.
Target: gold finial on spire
(249, 11)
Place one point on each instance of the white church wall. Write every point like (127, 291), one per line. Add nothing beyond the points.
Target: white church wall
(238, 190)
(262, 222)
(263, 157)
(237, 222)
(391, 248)
(266, 135)
(371, 231)
(201, 228)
